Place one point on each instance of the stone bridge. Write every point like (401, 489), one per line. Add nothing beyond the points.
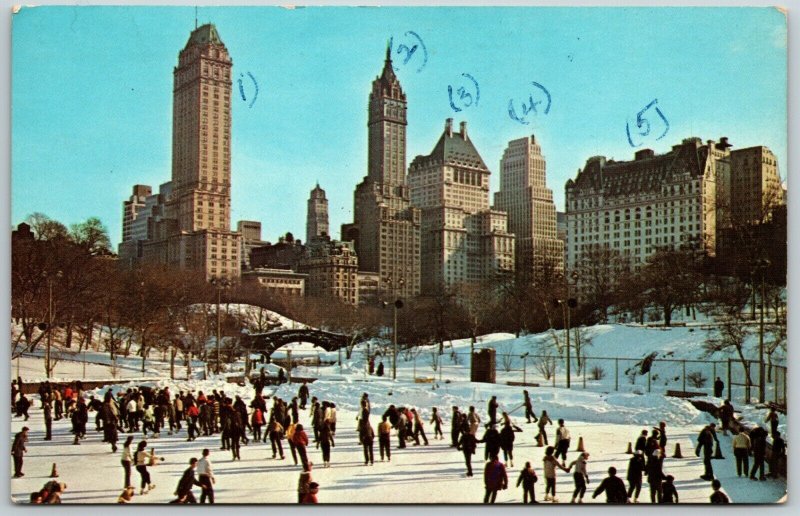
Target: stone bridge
(267, 343)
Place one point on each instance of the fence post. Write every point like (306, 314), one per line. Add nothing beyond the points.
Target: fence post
(616, 374)
(289, 365)
(684, 374)
(775, 386)
(714, 375)
(729, 379)
(785, 374)
(584, 372)
(439, 358)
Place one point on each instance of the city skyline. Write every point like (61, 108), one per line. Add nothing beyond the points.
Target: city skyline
(277, 157)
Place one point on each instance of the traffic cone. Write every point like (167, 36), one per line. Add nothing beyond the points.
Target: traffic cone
(677, 454)
(539, 441)
(580, 445)
(718, 453)
(630, 449)
(54, 471)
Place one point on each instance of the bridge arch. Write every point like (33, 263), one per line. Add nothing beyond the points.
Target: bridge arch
(267, 343)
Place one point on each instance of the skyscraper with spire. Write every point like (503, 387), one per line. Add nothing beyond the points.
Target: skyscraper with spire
(386, 229)
(195, 230)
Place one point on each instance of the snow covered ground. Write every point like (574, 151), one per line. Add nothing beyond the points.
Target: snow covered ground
(606, 422)
(606, 413)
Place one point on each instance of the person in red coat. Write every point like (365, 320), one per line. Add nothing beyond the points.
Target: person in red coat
(311, 496)
(300, 440)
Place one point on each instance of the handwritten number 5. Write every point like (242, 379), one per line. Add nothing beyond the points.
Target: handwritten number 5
(666, 124)
(642, 121)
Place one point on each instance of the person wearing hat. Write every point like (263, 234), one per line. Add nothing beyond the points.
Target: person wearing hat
(581, 477)
(311, 496)
(636, 467)
(18, 450)
(668, 492)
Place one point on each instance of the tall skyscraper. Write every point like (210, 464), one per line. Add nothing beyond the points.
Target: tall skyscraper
(531, 212)
(385, 228)
(463, 240)
(317, 215)
(195, 230)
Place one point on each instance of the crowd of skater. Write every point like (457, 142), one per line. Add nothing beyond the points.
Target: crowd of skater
(237, 422)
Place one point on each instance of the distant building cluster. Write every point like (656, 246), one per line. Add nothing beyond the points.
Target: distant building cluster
(688, 197)
(430, 226)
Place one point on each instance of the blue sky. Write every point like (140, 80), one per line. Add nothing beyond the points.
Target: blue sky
(92, 94)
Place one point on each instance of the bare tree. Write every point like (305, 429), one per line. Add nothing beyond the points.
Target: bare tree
(730, 334)
(506, 357)
(600, 271)
(546, 357)
(478, 300)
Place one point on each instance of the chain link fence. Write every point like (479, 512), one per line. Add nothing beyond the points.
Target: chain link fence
(610, 374)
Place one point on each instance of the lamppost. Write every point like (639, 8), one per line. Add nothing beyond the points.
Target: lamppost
(566, 305)
(761, 265)
(398, 303)
(49, 278)
(219, 284)
(524, 358)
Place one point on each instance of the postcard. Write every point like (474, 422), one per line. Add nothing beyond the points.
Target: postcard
(403, 255)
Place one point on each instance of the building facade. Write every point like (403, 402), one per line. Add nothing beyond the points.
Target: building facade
(250, 231)
(462, 239)
(332, 269)
(285, 254)
(277, 281)
(386, 228)
(317, 215)
(655, 201)
(755, 186)
(194, 232)
(531, 212)
(133, 209)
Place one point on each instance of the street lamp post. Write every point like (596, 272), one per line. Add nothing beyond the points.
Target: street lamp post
(524, 367)
(761, 265)
(566, 305)
(398, 303)
(47, 364)
(219, 284)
